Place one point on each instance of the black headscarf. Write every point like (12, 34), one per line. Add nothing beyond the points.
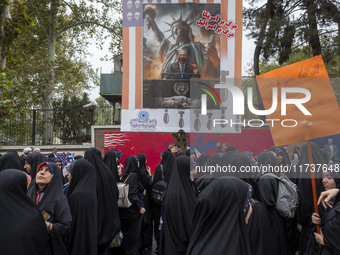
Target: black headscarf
(55, 204)
(35, 159)
(239, 160)
(110, 160)
(82, 198)
(10, 160)
(108, 222)
(225, 158)
(131, 166)
(144, 176)
(52, 190)
(306, 205)
(216, 158)
(168, 162)
(250, 156)
(142, 161)
(55, 160)
(266, 159)
(78, 157)
(178, 209)
(203, 179)
(231, 150)
(131, 169)
(22, 230)
(219, 224)
(204, 159)
(335, 175)
(286, 160)
(268, 186)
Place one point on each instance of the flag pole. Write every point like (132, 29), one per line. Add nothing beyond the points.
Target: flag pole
(312, 176)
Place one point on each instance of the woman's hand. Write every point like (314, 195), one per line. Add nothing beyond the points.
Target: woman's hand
(316, 219)
(326, 196)
(299, 227)
(319, 238)
(48, 226)
(142, 210)
(148, 169)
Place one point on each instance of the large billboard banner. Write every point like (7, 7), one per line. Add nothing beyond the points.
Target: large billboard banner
(170, 47)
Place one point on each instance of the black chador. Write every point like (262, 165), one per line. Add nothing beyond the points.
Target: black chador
(108, 223)
(82, 198)
(178, 209)
(55, 205)
(131, 217)
(23, 230)
(219, 225)
(306, 204)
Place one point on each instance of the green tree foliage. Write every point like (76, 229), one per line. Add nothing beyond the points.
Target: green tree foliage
(279, 27)
(73, 121)
(5, 103)
(299, 54)
(78, 19)
(13, 21)
(107, 113)
(73, 73)
(48, 58)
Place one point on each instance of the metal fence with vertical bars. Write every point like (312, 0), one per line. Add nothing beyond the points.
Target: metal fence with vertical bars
(71, 126)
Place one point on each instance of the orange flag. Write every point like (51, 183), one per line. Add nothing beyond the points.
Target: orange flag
(297, 126)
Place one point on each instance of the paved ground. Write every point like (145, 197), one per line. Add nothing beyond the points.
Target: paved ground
(152, 252)
(114, 251)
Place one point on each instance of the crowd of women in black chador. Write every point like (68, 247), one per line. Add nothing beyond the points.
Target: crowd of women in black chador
(198, 214)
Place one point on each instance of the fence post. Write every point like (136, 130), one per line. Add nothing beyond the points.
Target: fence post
(33, 126)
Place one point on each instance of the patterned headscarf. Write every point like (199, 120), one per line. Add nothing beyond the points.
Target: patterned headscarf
(248, 200)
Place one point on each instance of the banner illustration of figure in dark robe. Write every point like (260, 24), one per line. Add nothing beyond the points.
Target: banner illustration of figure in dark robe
(169, 30)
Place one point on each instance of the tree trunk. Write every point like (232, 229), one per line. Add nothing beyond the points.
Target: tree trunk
(3, 46)
(313, 27)
(48, 100)
(262, 35)
(258, 49)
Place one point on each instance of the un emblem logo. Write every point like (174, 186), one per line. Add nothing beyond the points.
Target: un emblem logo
(181, 88)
